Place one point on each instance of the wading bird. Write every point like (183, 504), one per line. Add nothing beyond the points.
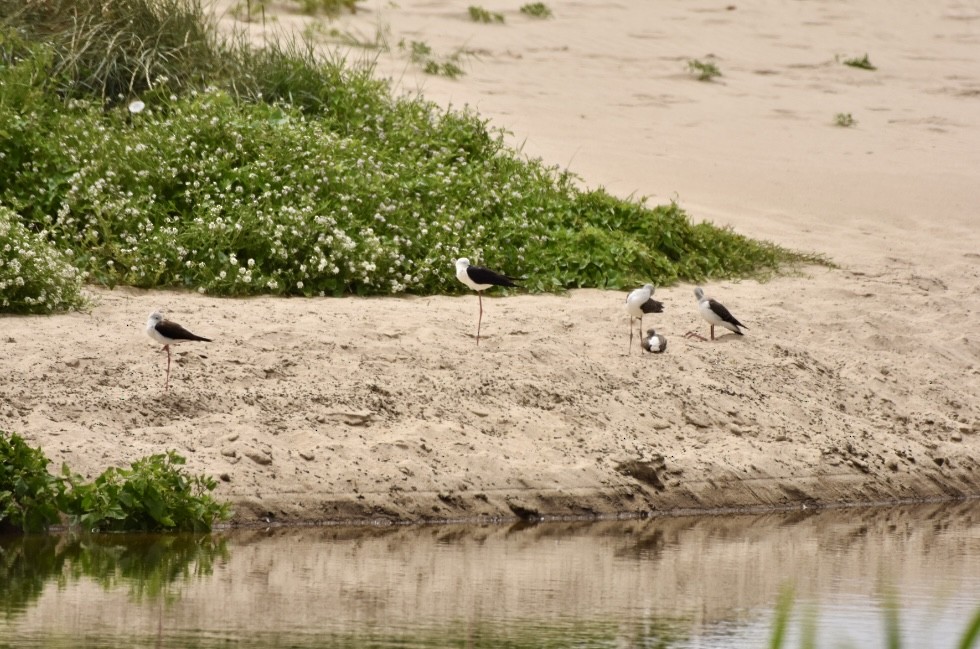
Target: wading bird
(714, 313)
(168, 333)
(480, 279)
(638, 302)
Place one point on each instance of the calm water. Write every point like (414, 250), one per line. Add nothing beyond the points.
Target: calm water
(678, 583)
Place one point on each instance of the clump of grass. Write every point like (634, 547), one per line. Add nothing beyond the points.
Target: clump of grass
(114, 50)
(481, 15)
(328, 7)
(845, 120)
(536, 10)
(863, 63)
(703, 70)
(421, 54)
(351, 37)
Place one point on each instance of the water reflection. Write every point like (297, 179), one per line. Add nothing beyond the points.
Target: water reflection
(146, 566)
(671, 582)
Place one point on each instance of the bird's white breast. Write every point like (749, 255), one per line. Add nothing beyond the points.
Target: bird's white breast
(635, 301)
(705, 308)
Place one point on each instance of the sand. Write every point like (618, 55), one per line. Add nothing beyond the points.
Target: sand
(858, 384)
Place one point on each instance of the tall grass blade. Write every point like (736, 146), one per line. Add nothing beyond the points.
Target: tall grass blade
(783, 607)
(893, 629)
(972, 633)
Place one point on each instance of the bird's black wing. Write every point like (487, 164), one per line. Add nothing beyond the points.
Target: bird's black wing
(652, 306)
(724, 313)
(482, 275)
(174, 331)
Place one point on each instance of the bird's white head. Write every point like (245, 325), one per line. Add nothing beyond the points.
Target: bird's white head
(699, 294)
(154, 319)
(462, 263)
(649, 287)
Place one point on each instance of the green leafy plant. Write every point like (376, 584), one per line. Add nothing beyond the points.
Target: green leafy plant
(154, 494)
(536, 10)
(844, 119)
(481, 15)
(704, 71)
(29, 495)
(863, 63)
(35, 276)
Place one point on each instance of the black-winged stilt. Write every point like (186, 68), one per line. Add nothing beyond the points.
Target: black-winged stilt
(714, 313)
(654, 342)
(638, 302)
(480, 279)
(168, 333)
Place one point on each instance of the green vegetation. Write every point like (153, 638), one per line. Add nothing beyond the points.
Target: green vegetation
(154, 494)
(29, 495)
(864, 63)
(536, 10)
(329, 7)
(844, 119)
(318, 31)
(481, 15)
(421, 54)
(892, 625)
(244, 171)
(247, 10)
(704, 71)
(35, 276)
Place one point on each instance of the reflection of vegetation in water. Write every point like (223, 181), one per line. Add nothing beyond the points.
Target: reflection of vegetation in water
(26, 563)
(151, 566)
(528, 634)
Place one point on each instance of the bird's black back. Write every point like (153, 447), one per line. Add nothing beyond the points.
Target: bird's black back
(652, 306)
(174, 331)
(724, 313)
(482, 275)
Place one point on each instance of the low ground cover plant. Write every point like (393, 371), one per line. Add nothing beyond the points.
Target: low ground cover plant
(703, 70)
(238, 171)
(536, 10)
(154, 494)
(863, 63)
(481, 15)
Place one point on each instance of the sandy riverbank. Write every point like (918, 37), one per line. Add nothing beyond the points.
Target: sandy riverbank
(855, 384)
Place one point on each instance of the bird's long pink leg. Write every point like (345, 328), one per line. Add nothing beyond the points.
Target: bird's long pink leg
(712, 332)
(166, 385)
(479, 321)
